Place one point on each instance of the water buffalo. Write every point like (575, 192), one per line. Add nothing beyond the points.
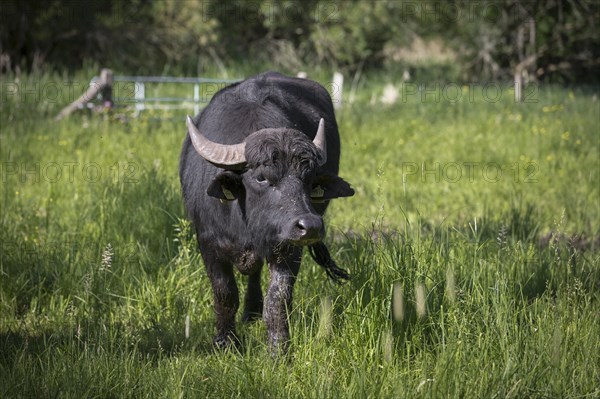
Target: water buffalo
(258, 168)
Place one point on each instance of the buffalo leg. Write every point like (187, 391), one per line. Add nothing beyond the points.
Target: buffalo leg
(253, 301)
(283, 270)
(226, 298)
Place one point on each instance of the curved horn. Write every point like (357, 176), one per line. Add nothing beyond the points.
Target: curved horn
(321, 142)
(221, 155)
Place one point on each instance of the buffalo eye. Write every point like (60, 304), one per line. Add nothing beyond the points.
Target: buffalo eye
(261, 179)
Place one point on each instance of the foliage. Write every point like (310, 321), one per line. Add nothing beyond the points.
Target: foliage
(562, 35)
(482, 40)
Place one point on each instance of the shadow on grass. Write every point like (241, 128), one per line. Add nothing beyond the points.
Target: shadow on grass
(149, 344)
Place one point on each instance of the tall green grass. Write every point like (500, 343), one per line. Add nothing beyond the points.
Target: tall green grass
(458, 289)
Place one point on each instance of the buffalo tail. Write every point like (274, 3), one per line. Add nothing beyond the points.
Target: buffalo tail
(320, 254)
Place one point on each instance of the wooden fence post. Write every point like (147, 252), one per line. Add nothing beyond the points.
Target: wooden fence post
(336, 90)
(521, 66)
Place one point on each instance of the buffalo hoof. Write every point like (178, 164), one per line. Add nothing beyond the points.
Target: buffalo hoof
(249, 317)
(226, 341)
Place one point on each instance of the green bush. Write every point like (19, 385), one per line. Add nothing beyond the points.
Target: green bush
(487, 40)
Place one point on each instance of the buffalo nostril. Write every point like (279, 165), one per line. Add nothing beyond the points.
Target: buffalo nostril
(310, 227)
(301, 225)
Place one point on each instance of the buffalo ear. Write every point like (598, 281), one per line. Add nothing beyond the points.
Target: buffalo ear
(326, 187)
(226, 186)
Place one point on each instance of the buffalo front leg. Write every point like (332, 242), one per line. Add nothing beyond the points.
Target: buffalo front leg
(283, 269)
(226, 299)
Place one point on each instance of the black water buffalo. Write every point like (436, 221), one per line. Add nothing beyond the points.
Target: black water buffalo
(257, 170)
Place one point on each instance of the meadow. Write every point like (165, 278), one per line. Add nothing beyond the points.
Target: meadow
(473, 242)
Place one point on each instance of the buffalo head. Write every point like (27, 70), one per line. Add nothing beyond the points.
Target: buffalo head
(275, 176)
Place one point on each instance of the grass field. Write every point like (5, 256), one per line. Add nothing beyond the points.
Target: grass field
(472, 240)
